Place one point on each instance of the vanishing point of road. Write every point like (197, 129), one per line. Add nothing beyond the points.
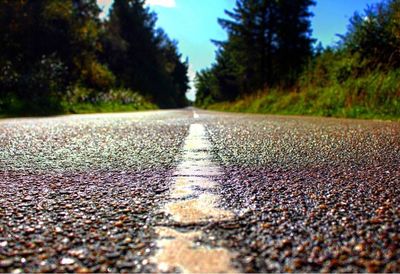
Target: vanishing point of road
(198, 191)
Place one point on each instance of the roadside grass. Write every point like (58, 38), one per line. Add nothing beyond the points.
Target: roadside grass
(104, 107)
(82, 100)
(375, 96)
(77, 101)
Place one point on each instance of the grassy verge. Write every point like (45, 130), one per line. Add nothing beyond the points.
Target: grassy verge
(104, 107)
(82, 100)
(376, 96)
(78, 101)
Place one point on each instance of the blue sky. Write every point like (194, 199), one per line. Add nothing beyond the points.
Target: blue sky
(194, 22)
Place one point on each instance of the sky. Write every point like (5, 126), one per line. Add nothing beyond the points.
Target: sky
(193, 23)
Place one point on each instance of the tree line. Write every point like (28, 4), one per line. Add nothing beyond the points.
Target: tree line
(55, 50)
(270, 49)
(268, 43)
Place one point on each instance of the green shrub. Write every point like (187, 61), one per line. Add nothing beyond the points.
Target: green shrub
(100, 77)
(376, 95)
(83, 100)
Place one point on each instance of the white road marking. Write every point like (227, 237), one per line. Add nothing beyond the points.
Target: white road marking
(195, 115)
(180, 250)
(192, 185)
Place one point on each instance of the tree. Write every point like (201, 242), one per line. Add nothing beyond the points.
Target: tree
(251, 32)
(176, 70)
(143, 58)
(269, 39)
(375, 35)
(293, 39)
(207, 89)
(47, 46)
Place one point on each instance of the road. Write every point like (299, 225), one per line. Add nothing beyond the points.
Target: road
(197, 191)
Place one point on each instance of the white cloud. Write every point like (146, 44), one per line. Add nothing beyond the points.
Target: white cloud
(104, 2)
(162, 3)
(104, 6)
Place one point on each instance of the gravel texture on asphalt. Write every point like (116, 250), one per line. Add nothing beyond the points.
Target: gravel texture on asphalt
(78, 193)
(311, 194)
(83, 193)
(113, 142)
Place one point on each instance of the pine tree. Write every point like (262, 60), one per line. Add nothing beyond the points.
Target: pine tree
(294, 38)
(143, 58)
(251, 32)
(270, 40)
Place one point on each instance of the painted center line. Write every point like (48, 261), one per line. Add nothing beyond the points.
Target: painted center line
(194, 204)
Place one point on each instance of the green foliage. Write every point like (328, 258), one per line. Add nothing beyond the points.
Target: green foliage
(376, 95)
(359, 78)
(220, 83)
(99, 76)
(206, 84)
(268, 44)
(48, 47)
(152, 65)
(83, 100)
(374, 35)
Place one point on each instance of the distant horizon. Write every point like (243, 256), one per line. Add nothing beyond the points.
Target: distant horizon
(194, 23)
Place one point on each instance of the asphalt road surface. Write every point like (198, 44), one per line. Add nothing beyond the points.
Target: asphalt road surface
(196, 191)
